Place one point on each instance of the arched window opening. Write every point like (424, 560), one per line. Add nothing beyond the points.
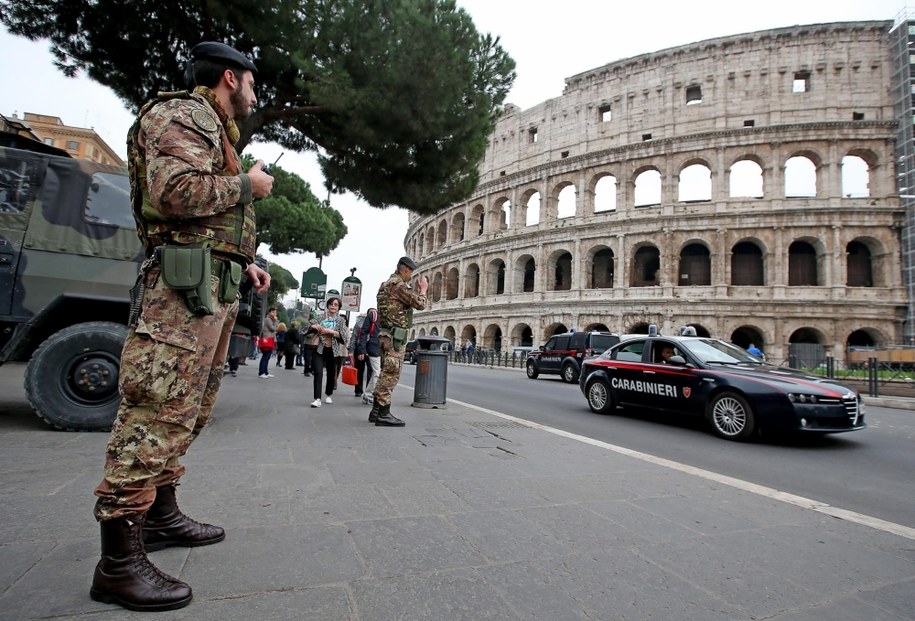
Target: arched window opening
(860, 338)
(450, 334)
(492, 338)
(563, 273)
(437, 281)
(745, 180)
(802, 265)
(646, 267)
(472, 281)
(567, 197)
(746, 265)
(442, 234)
(602, 269)
(695, 184)
(457, 228)
(505, 215)
(529, 271)
(533, 210)
(477, 218)
(695, 266)
(522, 335)
(800, 177)
(855, 177)
(605, 194)
(860, 265)
(451, 284)
(648, 189)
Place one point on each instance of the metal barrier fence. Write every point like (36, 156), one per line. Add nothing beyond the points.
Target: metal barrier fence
(489, 358)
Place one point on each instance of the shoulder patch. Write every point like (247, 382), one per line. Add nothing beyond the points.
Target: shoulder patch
(203, 120)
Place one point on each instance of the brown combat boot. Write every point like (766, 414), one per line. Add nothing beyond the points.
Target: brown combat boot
(125, 576)
(166, 526)
(373, 414)
(386, 419)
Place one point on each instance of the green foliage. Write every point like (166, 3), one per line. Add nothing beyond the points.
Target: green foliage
(292, 219)
(397, 96)
(281, 281)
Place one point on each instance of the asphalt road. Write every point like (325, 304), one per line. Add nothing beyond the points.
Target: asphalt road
(871, 471)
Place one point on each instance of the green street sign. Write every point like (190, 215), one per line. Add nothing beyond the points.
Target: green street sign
(314, 283)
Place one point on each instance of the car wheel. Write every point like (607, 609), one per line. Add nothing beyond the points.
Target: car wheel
(569, 373)
(731, 416)
(72, 379)
(532, 371)
(599, 397)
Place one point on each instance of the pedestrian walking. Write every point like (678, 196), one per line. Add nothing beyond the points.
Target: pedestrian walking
(368, 351)
(330, 345)
(268, 341)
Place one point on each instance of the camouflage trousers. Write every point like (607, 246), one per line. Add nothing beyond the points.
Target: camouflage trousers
(171, 370)
(391, 365)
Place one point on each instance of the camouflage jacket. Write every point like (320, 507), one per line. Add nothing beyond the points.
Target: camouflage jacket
(396, 303)
(186, 182)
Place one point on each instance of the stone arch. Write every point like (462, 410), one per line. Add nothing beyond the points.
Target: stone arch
(596, 327)
(525, 274)
(695, 265)
(859, 268)
(747, 264)
(566, 197)
(646, 266)
(437, 283)
(647, 182)
(492, 337)
(865, 337)
(559, 264)
(802, 174)
(855, 177)
(554, 328)
(605, 188)
(502, 214)
(522, 335)
(450, 334)
(472, 281)
(530, 207)
(476, 225)
(694, 182)
(746, 335)
(452, 280)
(469, 333)
(601, 260)
(430, 239)
(442, 234)
(805, 263)
(457, 227)
(745, 178)
(495, 277)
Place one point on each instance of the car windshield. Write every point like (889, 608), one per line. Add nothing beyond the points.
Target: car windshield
(712, 351)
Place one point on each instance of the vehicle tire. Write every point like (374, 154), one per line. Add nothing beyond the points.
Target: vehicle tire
(71, 380)
(532, 371)
(569, 373)
(731, 417)
(600, 399)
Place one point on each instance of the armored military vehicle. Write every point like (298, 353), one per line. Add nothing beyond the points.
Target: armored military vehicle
(69, 254)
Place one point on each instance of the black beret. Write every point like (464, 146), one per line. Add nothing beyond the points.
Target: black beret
(408, 262)
(220, 52)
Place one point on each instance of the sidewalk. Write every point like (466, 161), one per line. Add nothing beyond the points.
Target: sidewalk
(461, 515)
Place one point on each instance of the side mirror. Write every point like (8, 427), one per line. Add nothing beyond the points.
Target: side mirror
(677, 360)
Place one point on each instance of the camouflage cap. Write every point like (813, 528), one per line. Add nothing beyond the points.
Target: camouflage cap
(220, 52)
(408, 262)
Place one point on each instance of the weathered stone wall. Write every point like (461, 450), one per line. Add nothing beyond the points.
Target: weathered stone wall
(746, 110)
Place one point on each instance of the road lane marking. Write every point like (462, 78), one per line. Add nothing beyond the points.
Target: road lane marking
(760, 490)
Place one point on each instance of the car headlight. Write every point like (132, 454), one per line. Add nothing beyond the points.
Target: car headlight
(799, 397)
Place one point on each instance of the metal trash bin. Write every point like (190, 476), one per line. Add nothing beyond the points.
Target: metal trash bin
(431, 372)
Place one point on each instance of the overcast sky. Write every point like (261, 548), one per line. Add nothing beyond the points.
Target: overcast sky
(549, 41)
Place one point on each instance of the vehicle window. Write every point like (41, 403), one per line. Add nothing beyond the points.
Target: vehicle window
(109, 200)
(600, 342)
(713, 350)
(561, 343)
(18, 184)
(631, 351)
(660, 348)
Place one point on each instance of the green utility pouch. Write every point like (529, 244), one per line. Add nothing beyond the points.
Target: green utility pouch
(400, 338)
(188, 269)
(229, 281)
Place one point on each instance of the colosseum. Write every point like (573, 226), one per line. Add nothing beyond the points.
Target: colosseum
(745, 186)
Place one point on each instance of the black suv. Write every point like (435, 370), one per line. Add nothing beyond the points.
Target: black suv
(409, 353)
(563, 353)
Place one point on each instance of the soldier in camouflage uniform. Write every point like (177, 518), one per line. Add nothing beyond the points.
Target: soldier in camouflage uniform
(187, 188)
(395, 314)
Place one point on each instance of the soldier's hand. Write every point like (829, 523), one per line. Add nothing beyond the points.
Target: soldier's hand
(261, 182)
(423, 285)
(260, 279)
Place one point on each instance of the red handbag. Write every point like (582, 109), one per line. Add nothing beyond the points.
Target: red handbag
(350, 375)
(266, 343)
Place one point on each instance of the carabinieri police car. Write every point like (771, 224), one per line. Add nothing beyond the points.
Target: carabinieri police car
(735, 391)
